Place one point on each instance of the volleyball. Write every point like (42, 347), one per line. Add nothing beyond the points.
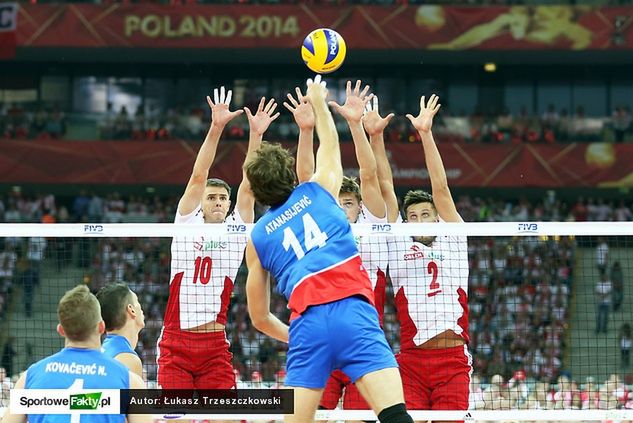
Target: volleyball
(323, 50)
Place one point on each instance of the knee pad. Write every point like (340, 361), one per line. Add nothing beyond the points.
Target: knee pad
(395, 414)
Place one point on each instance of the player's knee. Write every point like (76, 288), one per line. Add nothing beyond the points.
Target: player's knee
(395, 414)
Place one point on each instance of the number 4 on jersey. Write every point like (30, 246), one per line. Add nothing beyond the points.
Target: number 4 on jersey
(313, 237)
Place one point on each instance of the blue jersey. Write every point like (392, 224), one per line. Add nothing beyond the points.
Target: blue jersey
(114, 345)
(82, 369)
(307, 245)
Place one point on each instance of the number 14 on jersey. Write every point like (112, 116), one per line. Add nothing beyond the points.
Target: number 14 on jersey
(313, 237)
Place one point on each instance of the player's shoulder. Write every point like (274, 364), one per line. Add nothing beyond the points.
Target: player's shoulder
(193, 217)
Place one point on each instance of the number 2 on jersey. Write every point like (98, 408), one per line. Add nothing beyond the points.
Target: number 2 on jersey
(313, 237)
(203, 270)
(433, 270)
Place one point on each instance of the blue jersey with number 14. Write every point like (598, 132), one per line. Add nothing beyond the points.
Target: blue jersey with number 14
(307, 245)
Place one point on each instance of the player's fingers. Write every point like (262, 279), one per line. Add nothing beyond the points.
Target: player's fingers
(289, 107)
(357, 87)
(348, 88)
(367, 107)
(437, 108)
(260, 106)
(367, 99)
(309, 82)
(248, 112)
(292, 100)
(299, 94)
(236, 113)
(433, 101)
(229, 96)
(317, 79)
(376, 103)
(216, 97)
(364, 92)
(275, 116)
(222, 94)
(422, 103)
(209, 102)
(410, 117)
(389, 117)
(270, 106)
(272, 109)
(334, 105)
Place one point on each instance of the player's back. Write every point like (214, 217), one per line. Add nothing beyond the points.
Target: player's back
(78, 368)
(307, 245)
(114, 345)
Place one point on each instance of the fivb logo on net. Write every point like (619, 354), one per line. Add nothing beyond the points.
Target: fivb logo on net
(527, 227)
(61, 401)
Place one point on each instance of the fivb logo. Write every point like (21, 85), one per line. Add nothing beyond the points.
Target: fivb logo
(528, 228)
(235, 229)
(90, 401)
(93, 229)
(381, 227)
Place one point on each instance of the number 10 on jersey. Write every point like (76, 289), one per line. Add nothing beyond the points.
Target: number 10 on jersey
(313, 237)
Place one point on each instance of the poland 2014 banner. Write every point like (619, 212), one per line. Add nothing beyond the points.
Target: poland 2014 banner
(433, 27)
(8, 25)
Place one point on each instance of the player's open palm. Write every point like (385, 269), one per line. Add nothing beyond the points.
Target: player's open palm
(355, 102)
(424, 121)
(261, 120)
(301, 110)
(372, 122)
(220, 113)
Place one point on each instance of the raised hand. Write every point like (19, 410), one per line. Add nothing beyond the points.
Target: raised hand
(261, 120)
(301, 110)
(355, 102)
(424, 120)
(373, 123)
(316, 90)
(220, 113)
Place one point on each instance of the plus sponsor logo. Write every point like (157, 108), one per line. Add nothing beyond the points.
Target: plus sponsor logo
(202, 245)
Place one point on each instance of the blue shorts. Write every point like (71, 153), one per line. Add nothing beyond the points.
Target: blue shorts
(343, 335)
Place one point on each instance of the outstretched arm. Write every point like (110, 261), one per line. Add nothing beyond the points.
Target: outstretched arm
(375, 127)
(439, 183)
(304, 117)
(258, 298)
(352, 111)
(329, 170)
(258, 124)
(220, 116)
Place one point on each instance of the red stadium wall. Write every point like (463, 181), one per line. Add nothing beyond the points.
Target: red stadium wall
(363, 27)
(170, 163)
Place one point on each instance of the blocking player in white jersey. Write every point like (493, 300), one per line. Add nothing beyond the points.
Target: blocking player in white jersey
(430, 279)
(193, 351)
(362, 204)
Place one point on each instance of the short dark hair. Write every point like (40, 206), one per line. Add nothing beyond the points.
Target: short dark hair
(79, 313)
(217, 182)
(114, 299)
(271, 174)
(416, 197)
(350, 186)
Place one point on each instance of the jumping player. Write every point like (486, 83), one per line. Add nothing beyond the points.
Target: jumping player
(306, 243)
(193, 347)
(430, 278)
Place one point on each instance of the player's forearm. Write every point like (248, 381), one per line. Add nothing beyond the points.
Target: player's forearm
(329, 150)
(385, 176)
(273, 327)
(305, 155)
(434, 163)
(206, 155)
(364, 153)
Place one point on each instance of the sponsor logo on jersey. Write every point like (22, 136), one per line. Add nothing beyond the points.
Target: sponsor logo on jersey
(415, 253)
(203, 245)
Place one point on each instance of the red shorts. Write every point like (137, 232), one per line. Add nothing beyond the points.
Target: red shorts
(339, 384)
(437, 379)
(190, 360)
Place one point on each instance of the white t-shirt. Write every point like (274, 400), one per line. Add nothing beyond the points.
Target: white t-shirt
(208, 266)
(431, 287)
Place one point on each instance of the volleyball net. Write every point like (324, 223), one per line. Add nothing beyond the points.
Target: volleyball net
(543, 307)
